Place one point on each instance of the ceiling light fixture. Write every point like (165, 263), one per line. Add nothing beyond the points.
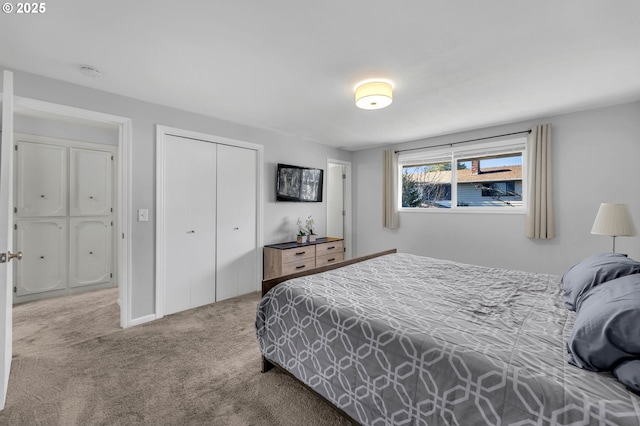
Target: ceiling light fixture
(374, 94)
(90, 71)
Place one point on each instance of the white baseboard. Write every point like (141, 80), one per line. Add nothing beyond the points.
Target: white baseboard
(142, 320)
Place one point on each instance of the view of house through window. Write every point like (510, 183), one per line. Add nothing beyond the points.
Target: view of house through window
(490, 181)
(479, 181)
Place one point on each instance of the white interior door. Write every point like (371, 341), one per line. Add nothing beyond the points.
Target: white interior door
(189, 264)
(6, 233)
(44, 266)
(177, 211)
(236, 254)
(335, 200)
(90, 242)
(91, 176)
(203, 223)
(41, 180)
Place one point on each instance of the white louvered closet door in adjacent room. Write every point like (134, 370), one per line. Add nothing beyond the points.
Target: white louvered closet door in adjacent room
(91, 217)
(64, 216)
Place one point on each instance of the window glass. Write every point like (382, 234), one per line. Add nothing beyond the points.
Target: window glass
(485, 176)
(427, 185)
(492, 181)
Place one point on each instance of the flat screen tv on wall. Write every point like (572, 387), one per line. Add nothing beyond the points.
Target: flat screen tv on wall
(300, 184)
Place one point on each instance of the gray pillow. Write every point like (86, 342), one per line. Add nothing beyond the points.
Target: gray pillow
(593, 271)
(606, 330)
(628, 372)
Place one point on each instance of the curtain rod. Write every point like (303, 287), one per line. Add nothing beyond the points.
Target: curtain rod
(470, 140)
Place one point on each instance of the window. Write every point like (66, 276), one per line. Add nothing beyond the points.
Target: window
(498, 189)
(486, 177)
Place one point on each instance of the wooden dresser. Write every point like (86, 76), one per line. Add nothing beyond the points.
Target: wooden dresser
(287, 258)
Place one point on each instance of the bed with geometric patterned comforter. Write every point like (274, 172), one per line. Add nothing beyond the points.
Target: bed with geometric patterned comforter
(405, 339)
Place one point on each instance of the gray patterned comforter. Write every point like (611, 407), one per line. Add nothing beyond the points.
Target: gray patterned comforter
(404, 339)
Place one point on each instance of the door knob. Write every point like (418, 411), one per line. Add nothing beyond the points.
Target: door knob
(6, 257)
(17, 256)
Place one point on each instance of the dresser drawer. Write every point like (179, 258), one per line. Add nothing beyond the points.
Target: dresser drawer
(329, 258)
(298, 253)
(329, 248)
(297, 266)
(289, 258)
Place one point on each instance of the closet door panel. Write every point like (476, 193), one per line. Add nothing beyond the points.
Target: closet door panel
(91, 178)
(237, 252)
(177, 223)
(90, 256)
(44, 263)
(41, 180)
(203, 219)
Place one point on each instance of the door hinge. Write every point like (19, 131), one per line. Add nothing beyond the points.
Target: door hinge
(112, 223)
(344, 176)
(15, 289)
(15, 210)
(112, 158)
(15, 226)
(16, 147)
(111, 209)
(3, 257)
(111, 275)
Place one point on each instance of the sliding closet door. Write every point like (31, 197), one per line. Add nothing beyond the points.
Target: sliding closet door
(237, 261)
(189, 223)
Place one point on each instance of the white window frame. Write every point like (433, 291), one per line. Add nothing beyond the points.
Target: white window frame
(454, 153)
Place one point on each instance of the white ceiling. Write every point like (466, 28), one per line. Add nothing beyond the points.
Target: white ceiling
(291, 65)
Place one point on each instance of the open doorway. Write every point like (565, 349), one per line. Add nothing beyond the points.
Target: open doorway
(339, 202)
(113, 134)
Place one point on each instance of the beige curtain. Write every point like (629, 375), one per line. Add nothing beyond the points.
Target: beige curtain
(390, 216)
(540, 223)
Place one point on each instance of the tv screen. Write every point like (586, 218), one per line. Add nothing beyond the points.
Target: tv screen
(300, 184)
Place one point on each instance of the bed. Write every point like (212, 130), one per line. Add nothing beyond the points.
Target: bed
(405, 339)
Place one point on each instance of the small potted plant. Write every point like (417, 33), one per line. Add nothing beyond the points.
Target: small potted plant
(302, 233)
(310, 224)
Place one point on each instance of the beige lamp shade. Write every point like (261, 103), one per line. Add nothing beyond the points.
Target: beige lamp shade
(614, 220)
(374, 94)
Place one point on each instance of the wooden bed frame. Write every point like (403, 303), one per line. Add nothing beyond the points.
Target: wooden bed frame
(269, 284)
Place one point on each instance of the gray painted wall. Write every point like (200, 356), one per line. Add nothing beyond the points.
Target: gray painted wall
(279, 218)
(595, 159)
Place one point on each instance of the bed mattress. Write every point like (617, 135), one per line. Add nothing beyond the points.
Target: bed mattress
(405, 339)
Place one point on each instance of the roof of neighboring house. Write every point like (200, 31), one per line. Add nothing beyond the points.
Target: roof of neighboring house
(487, 174)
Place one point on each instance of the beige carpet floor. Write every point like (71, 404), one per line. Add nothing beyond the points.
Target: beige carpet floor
(73, 365)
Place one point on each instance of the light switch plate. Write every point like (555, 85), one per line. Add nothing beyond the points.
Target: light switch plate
(143, 215)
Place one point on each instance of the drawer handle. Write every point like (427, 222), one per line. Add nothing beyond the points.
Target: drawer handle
(331, 260)
(331, 248)
(300, 253)
(300, 267)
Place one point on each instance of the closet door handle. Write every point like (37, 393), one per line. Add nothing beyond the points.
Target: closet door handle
(191, 232)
